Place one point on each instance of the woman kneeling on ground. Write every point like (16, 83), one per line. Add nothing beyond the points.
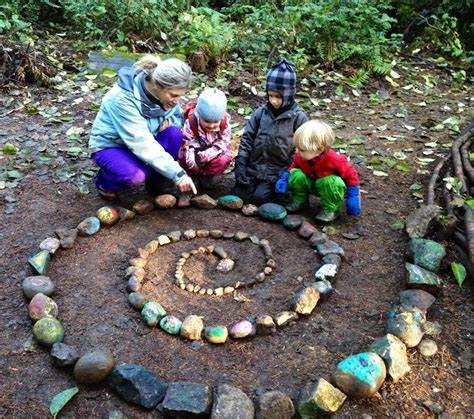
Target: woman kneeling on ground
(137, 135)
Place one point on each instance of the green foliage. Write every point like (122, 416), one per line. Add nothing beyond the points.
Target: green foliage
(459, 272)
(61, 399)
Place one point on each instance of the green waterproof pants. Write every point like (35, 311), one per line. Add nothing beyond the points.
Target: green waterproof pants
(331, 189)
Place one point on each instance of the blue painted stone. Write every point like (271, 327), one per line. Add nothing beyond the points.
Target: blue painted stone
(89, 226)
(171, 325)
(427, 254)
(40, 261)
(360, 375)
(152, 312)
(328, 247)
(406, 323)
(231, 202)
(271, 212)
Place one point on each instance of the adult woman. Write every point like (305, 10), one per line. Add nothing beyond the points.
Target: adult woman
(136, 135)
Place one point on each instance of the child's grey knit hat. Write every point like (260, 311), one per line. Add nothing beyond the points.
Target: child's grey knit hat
(211, 104)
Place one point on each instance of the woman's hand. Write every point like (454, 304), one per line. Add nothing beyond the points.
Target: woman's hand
(164, 125)
(186, 184)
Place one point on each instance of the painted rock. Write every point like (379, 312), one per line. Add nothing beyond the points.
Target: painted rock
(324, 288)
(40, 261)
(319, 399)
(88, 226)
(307, 229)
(42, 306)
(33, 285)
(285, 317)
(427, 348)
(318, 237)
(203, 201)
(329, 246)
(48, 331)
(225, 265)
(250, 210)
(219, 251)
(406, 323)
(93, 367)
(271, 212)
(142, 207)
(326, 272)
(152, 312)
(360, 375)
(265, 325)
(394, 353)
(305, 300)
(152, 246)
(231, 402)
(163, 239)
(202, 234)
(332, 259)
(293, 221)
(427, 254)
(216, 334)
(133, 284)
(63, 355)
(138, 273)
(108, 216)
(175, 236)
(242, 329)
(240, 236)
(192, 327)
(165, 201)
(216, 234)
(231, 202)
(171, 325)
(187, 399)
(125, 214)
(136, 300)
(189, 234)
(51, 244)
(67, 237)
(418, 298)
(419, 278)
(275, 405)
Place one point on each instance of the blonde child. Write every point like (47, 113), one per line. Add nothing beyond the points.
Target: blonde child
(318, 170)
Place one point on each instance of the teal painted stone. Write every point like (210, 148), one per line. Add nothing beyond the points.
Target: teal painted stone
(319, 399)
(328, 247)
(89, 226)
(394, 353)
(108, 216)
(40, 261)
(171, 325)
(136, 300)
(33, 285)
(216, 334)
(427, 254)
(42, 306)
(152, 312)
(360, 375)
(305, 300)
(407, 324)
(230, 202)
(48, 331)
(419, 278)
(271, 212)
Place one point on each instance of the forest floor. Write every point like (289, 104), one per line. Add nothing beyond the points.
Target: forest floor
(394, 130)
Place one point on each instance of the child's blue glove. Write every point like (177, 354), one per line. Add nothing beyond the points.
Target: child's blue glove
(353, 200)
(282, 184)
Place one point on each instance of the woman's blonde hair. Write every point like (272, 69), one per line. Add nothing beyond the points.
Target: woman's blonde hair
(170, 73)
(314, 135)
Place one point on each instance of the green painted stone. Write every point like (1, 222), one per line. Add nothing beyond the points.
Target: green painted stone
(89, 226)
(231, 202)
(271, 212)
(419, 278)
(427, 254)
(40, 261)
(48, 331)
(152, 312)
(171, 325)
(319, 399)
(42, 306)
(216, 334)
(108, 216)
(360, 375)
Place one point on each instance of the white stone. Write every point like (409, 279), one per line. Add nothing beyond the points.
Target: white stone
(326, 271)
(51, 244)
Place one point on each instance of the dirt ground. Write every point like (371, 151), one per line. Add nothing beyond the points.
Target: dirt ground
(90, 281)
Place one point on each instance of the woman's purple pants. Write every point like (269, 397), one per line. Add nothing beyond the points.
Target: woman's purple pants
(120, 169)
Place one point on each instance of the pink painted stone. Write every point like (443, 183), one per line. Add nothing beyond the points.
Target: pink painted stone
(307, 230)
(242, 329)
(42, 306)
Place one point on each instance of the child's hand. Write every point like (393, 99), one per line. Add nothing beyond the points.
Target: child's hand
(164, 125)
(353, 200)
(282, 184)
(186, 184)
